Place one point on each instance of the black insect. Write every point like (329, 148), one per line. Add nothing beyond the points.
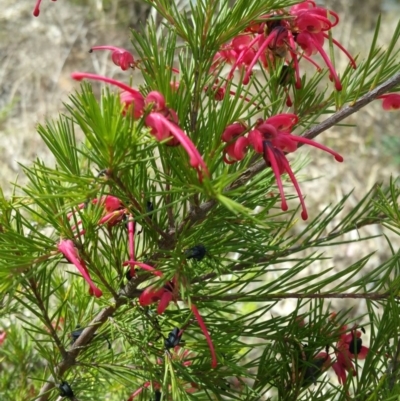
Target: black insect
(286, 75)
(149, 207)
(312, 366)
(197, 252)
(65, 390)
(355, 345)
(173, 339)
(78, 331)
(157, 396)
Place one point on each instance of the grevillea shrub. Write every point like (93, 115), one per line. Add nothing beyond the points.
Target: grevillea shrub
(148, 262)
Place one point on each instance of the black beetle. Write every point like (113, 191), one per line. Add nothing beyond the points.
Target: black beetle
(65, 390)
(197, 252)
(173, 339)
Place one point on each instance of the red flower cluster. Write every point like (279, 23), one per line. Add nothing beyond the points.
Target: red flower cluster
(292, 35)
(272, 138)
(348, 348)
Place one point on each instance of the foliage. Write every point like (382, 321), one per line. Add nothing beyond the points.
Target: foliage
(220, 240)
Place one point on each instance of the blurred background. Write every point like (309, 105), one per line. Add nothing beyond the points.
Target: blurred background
(37, 56)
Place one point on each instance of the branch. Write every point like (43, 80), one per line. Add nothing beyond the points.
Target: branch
(278, 296)
(353, 107)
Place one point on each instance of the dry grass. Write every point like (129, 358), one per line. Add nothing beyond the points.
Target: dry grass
(38, 55)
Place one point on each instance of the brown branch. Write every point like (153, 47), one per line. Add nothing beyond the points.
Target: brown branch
(200, 212)
(277, 296)
(130, 291)
(353, 107)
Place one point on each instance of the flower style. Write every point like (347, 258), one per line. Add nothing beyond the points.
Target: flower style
(36, 10)
(162, 121)
(120, 57)
(390, 101)
(348, 347)
(68, 249)
(132, 262)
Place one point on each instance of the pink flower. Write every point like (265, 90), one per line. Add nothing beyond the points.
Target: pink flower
(161, 120)
(390, 101)
(237, 143)
(278, 36)
(134, 103)
(162, 128)
(273, 139)
(163, 296)
(121, 57)
(312, 18)
(68, 249)
(114, 210)
(36, 10)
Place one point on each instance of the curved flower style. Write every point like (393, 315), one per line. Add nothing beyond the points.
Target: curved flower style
(120, 57)
(132, 262)
(348, 347)
(68, 249)
(36, 10)
(390, 101)
(161, 120)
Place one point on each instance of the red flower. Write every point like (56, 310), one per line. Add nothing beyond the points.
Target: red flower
(348, 347)
(163, 296)
(279, 35)
(121, 57)
(162, 121)
(390, 101)
(68, 249)
(273, 139)
(237, 143)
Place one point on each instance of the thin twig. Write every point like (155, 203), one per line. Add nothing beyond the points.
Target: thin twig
(49, 325)
(288, 295)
